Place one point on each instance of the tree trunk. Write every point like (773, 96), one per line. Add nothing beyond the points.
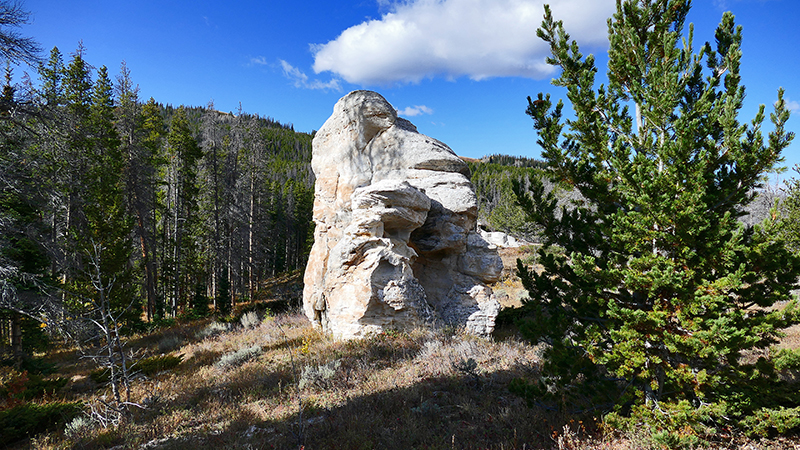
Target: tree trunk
(16, 335)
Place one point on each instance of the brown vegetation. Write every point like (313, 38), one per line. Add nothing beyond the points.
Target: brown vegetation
(275, 382)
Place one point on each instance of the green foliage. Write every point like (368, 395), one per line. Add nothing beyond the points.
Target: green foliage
(767, 421)
(660, 289)
(786, 359)
(497, 204)
(199, 304)
(671, 425)
(147, 366)
(513, 161)
(224, 297)
(789, 210)
(155, 364)
(30, 419)
(37, 366)
(38, 386)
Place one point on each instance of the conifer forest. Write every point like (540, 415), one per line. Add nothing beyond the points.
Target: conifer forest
(151, 259)
(165, 211)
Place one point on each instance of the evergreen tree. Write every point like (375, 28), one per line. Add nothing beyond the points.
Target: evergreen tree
(71, 162)
(52, 74)
(152, 197)
(106, 241)
(23, 260)
(184, 153)
(660, 289)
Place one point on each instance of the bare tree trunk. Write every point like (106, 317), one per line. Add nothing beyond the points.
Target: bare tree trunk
(250, 282)
(16, 335)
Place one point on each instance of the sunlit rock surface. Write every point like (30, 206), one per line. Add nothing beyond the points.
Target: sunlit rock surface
(395, 244)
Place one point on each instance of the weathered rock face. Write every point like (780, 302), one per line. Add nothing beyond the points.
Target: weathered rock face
(395, 243)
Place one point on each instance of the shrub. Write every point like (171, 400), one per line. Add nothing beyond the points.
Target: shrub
(670, 425)
(238, 357)
(100, 375)
(38, 366)
(213, 329)
(766, 421)
(147, 366)
(155, 364)
(250, 320)
(29, 419)
(169, 343)
(38, 386)
(12, 385)
(77, 429)
(319, 376)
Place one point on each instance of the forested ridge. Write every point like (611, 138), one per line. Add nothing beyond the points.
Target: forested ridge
(167, 211)
(163, 210)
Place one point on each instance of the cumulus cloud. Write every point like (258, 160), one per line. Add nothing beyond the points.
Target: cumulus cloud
(416, 110)
(301, 80)
(792, 105)
(479, 39)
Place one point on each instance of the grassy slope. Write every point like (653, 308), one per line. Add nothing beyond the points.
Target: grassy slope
(412, 390)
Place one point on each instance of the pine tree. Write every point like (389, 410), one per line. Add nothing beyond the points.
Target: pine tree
(153, 131)
(52, 75)
(184, 153)
(23, 259)
(108, 222)
(660, 290)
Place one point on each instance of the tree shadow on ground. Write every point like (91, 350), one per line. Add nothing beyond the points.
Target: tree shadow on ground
(448, 412)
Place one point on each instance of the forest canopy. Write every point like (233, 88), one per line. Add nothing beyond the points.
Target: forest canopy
(170, 210)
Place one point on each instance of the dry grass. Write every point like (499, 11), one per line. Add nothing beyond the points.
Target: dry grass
(509, 289)
(412, 390)
(396, 390)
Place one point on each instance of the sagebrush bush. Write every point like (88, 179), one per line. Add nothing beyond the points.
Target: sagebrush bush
(319, 376)
(213, 329)
(78, 428)
(238, 357)
(250, 320)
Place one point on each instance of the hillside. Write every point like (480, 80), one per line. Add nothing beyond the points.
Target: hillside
(266, 379)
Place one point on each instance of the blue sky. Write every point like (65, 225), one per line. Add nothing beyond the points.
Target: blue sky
(459, 69)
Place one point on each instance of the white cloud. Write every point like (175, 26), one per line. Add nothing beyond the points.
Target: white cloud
(415, 110)
(792, 105)
(479, 39)
(259, 61)
(301, 80)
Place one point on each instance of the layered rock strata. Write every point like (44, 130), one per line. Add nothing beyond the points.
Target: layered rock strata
(395, 243)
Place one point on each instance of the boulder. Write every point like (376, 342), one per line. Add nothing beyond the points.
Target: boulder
(396, 243)
(500, 239)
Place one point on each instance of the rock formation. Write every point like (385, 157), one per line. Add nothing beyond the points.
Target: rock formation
(395, 243)
(500, 239)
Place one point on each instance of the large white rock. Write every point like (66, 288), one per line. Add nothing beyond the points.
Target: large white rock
(396, 242)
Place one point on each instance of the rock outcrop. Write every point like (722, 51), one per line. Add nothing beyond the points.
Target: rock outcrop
(500, 239)
(395, 243)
